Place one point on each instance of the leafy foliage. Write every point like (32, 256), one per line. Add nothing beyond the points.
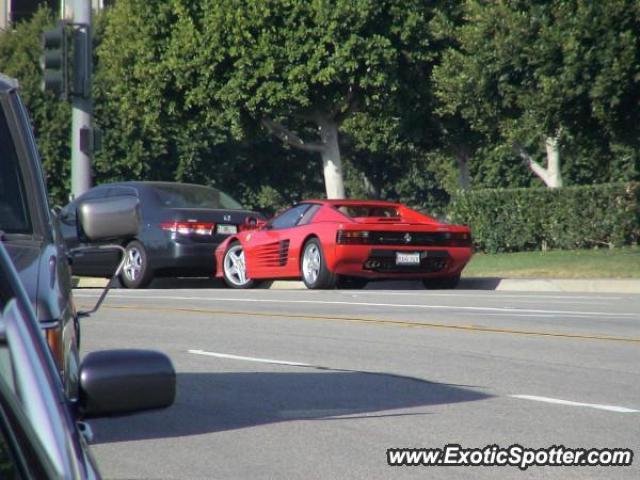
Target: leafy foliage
(181, 88)
(20, 51)
(534, 218)
(521, 70)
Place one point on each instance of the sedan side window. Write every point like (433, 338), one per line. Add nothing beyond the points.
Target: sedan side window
(122, 192)
(290, 218)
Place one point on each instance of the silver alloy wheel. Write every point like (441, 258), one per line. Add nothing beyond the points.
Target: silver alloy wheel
(311, 263)
(133, 264)
(235, 266)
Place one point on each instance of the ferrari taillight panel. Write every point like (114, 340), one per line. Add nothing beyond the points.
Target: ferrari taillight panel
(352, 237)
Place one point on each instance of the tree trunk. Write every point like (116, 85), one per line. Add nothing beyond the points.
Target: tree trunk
(462, 158)
(554, 177)
(331, 162)
(551, 175)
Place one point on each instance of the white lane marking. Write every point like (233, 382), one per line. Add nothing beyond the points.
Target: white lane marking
(372, 304)
(248, 359)
(557, 401)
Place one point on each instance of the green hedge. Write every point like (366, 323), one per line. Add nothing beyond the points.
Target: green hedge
(521, 219)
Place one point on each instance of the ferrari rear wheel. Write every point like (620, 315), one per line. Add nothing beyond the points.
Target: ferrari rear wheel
(234, 267)
(314, 271)
(441, 283)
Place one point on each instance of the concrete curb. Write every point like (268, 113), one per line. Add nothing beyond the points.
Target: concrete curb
(603, 285)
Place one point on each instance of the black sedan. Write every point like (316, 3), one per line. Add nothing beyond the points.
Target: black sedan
(181, 226)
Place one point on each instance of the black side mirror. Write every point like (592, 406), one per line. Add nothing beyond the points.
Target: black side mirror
(103, 219)
(115, 382)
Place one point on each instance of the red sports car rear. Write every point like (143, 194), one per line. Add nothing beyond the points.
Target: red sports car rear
(347, 243)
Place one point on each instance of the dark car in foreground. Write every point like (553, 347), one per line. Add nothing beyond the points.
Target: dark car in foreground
(40, 434)
(32, 237)
(346, 243)
(182, 224)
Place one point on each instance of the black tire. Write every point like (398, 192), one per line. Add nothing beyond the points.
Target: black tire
(136, 273)
(234, 268)
(351, 283)
(445, 283)
(313, 267)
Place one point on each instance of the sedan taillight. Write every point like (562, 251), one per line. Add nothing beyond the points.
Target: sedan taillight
(189, 228)
(352, 237)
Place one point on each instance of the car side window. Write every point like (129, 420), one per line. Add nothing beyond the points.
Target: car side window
(289, 218)
(14, 212)
(7, 463)
(309, 214)
(122, 192)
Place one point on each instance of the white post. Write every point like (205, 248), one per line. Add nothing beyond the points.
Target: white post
(81, 135)
(331, 161)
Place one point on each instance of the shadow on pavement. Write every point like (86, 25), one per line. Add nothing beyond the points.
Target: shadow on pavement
(214, 402)
(180, 283)
(469, 283)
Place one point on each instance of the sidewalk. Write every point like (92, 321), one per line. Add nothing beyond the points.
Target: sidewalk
(631, 286)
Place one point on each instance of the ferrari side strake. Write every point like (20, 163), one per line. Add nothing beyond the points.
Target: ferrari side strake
(345, 244)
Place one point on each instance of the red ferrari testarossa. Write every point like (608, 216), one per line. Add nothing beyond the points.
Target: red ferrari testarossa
(345, 243)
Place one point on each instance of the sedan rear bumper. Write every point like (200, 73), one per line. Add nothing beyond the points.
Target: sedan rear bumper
(187, 259)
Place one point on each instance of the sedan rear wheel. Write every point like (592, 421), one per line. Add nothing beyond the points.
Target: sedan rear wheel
(136, 272)
(314, 271)
(234, 267)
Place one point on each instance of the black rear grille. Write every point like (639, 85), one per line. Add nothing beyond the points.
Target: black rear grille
(283, 253)
(385, 261)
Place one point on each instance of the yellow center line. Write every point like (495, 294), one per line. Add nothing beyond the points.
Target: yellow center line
(375, 321)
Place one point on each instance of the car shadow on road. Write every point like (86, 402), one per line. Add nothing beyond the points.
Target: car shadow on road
(215, 402)
(164, 283)
(468, 283)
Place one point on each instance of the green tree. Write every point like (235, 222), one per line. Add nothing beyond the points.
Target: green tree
(20, 51)
(544, 75)
(298, 69)
(154, 127)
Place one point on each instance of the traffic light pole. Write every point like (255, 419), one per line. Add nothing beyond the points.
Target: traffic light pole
(81, 101)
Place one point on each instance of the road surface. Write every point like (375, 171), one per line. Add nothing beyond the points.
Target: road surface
(320, 384)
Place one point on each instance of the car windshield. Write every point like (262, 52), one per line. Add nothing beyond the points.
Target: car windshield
(14, 214)
(358, 211)
(194, 196)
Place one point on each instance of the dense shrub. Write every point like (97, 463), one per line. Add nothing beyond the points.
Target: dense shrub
(536, 218)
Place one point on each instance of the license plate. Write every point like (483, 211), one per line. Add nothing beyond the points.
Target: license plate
(226, 229)
(407, 258)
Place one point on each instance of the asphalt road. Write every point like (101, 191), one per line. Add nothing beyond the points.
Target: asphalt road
(279, 384)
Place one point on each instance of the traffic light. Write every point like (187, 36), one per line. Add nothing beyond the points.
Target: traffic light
(54, 61)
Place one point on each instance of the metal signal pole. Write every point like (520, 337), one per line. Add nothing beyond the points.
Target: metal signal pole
(81, 102)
